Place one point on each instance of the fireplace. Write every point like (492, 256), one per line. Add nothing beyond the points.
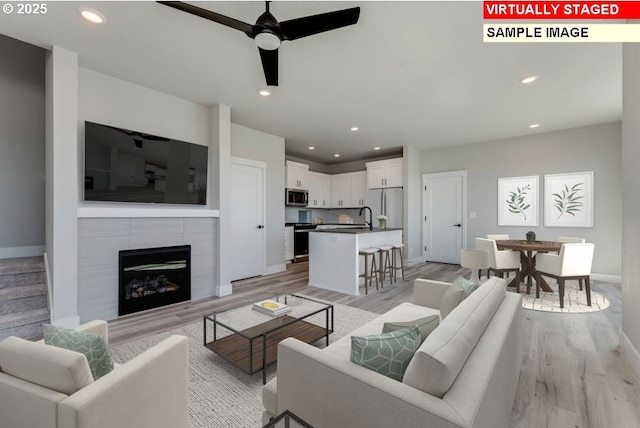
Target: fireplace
(153, 277)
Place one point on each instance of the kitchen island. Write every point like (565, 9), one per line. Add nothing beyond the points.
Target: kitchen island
(334, 263)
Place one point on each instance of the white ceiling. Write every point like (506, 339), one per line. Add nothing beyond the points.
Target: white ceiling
(414, 73)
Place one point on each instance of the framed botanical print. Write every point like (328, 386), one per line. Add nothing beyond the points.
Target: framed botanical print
(518, 201)
(568, 200)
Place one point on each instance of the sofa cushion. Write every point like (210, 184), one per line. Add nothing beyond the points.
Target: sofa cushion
(426, 325)
(442, 355)
(55, 368)
(454, 295)
(93, 346)
(341, 348)
(387, 353)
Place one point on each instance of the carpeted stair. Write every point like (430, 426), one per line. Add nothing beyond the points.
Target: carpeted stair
(23, 297)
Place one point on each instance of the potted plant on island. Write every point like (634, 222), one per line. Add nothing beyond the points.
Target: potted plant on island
(382, 221)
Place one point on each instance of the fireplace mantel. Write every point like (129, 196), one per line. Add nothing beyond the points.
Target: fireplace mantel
(145, 212)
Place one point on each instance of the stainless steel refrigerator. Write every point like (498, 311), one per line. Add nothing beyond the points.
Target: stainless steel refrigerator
(386, 202)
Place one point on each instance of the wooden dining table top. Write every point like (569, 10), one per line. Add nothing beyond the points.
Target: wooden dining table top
(524, 245)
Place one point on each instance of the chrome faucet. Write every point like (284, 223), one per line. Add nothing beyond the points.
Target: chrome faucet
(370, 222)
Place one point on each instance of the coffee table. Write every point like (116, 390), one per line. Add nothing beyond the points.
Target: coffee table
(249, 339)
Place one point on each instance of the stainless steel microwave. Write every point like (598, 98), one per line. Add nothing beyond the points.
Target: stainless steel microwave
(296, 197)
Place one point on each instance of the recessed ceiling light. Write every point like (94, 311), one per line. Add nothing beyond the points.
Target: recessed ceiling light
(534, 125)
(529, 79)
(337, 155)
(355, 128)
(264, 92)
(311, 148)
(92, 15)
(376, 148)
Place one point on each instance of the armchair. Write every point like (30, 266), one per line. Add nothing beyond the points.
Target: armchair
(42, 386)
(500, 262)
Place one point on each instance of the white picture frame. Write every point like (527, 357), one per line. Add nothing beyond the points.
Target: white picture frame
(568, 199)
(518, 201)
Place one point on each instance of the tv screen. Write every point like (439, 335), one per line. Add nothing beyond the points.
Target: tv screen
(121, 165)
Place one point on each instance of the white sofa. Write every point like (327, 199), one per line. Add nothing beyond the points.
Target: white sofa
(470, 384)
(42, 386)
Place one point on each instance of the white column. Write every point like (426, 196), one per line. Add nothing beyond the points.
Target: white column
(63, 183)
(220, 193)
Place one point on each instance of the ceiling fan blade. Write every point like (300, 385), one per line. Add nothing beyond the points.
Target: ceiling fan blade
(302, 27)
(270, 66)
(211, 16)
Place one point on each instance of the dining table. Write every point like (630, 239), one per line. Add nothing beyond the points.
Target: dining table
(528, 251)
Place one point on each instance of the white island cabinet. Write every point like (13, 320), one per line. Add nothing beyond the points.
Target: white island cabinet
(334, 263)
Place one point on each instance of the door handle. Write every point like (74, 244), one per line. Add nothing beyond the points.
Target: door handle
(260, 226)
(457, 225)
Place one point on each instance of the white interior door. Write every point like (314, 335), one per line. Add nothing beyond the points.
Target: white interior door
(247, 219)
(443, 210)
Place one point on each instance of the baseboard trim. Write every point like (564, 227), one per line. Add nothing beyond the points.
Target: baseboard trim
(269, 270)
(224, 290)
(630, 351)
(605, 277)
(13, 252)
(415, 260)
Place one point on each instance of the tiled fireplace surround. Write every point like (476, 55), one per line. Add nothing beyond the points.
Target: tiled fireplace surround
(100, 239)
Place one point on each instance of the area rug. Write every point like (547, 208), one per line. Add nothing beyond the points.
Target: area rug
(575, 300)
(220, 394)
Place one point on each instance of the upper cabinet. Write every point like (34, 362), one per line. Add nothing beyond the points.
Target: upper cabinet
(348, 190)
(385, 173)
(297, 175)
(319, 190)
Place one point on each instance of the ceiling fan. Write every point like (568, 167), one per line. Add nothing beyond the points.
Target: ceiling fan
(268, 33)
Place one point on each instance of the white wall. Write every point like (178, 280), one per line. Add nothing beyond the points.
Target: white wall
(250, 144)
(22, 149)
(630, 334)
(592, 148)
(107, 100)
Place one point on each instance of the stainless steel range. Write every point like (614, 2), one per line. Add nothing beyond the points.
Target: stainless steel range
(301, 240)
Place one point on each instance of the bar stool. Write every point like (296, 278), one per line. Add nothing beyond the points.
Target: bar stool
(370, 272)
(396, 251)
(385, 264)
(476, 260)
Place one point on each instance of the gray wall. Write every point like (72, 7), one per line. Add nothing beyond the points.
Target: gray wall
(594, 148)
(630, 337)
(22, 149)
(250, 144)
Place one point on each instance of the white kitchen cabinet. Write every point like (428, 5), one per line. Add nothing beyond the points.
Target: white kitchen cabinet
(348, 190)
(288, 243)
(385, 173)
(319, 190)
(340, 191)
(358, 189)
(297, 175)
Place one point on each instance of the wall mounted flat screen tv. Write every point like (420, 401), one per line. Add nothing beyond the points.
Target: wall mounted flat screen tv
(121, 165)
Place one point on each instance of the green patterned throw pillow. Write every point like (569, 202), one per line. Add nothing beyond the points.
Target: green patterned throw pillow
(468, 286)
(425, 325)
(93, 346)
(388, 353)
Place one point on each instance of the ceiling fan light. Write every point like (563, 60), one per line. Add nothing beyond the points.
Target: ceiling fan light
(267, 41)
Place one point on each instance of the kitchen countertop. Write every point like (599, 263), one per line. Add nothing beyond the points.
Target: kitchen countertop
(354, 230)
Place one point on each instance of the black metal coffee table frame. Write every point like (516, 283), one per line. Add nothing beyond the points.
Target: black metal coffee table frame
(254, 348)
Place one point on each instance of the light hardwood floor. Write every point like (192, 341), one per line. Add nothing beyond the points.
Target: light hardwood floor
(573, 372)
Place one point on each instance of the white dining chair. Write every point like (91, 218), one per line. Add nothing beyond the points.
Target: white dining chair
(500, 262)
(572, 263)
(499, 236)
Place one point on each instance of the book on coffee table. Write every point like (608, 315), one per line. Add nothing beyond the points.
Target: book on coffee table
(271, 307)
